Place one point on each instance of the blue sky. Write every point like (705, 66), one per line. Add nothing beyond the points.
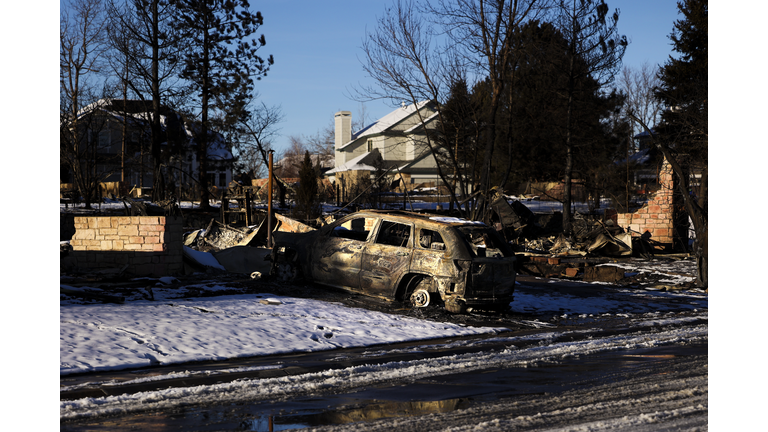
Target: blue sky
(316, 45)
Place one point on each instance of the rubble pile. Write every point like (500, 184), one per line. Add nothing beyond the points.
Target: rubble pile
(542, 233)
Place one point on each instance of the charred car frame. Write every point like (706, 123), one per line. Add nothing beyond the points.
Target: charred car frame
(403, 256)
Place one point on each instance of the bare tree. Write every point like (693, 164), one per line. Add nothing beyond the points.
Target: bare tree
(323, 141)
(484, 30)
(82, 46)
(638, 85)
(258, 129)
(595, 50)
(407, 65)
(141, 32)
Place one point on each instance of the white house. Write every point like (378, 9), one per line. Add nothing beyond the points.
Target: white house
(397, 141)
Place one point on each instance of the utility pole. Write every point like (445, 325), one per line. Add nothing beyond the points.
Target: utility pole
(269, 203)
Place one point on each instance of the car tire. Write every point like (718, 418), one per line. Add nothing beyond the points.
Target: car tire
(420, 298)
(284, 269)
(286, 272)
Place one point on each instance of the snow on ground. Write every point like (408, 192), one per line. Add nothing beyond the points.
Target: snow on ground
(626, 302)
(675, 272)
(170, 330)
(369, 375)
(97, 337)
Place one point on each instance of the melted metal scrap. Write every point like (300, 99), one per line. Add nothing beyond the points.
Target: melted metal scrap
(286, 224)
(220, 236)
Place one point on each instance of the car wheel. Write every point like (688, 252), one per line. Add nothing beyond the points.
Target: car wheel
(420, 298)
(286, 272)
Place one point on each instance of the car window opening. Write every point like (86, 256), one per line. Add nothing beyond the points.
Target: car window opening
(429, 239)
(354, 229)
(394, 234)
(483, 242)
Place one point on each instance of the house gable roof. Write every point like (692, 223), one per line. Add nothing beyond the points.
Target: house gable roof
(364, 162)
(387, 122)
(138, 113)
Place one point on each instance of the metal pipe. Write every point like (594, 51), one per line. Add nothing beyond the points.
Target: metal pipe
(269, 203)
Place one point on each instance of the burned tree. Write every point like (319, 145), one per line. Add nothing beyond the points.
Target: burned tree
(594, 50)
(682, 135)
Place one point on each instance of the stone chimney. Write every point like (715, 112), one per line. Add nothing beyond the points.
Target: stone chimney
(343, 128)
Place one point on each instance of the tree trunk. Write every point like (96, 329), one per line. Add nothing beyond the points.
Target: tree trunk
(158, 183)
(202, 146)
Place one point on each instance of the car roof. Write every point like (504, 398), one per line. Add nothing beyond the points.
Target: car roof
(420, 217)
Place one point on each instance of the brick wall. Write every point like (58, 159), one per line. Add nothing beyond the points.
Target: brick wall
(149, 245)
(656, 217)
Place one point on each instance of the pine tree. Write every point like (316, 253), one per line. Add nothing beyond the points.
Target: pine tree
(221, 63)
(682, 135)
(306, 194)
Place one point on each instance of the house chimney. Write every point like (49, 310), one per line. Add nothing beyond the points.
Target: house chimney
(343, 122)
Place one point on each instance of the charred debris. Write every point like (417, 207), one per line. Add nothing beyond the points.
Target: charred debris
(537, 239)
(238, 233)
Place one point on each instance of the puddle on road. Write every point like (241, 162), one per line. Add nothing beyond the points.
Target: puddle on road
(363, 412)
(268, 417)
(459, 391)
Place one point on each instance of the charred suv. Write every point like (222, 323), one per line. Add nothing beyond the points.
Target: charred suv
(403, 256)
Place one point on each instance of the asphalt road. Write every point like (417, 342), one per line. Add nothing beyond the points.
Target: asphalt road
(640, 389)
(663, 388)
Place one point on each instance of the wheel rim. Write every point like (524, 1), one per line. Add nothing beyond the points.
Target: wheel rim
(420, 298)
(286, 272)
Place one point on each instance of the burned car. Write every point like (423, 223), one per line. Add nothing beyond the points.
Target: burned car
(403, 256)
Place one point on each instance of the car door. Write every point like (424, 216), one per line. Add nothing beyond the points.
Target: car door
(385, 258)
(337, 255)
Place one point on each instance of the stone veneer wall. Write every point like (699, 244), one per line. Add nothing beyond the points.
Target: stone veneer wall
(149, 245)
(656, 217)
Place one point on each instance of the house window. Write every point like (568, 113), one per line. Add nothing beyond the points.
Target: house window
(212, 179)
(222, 179)
(104, 139)
(370, 145)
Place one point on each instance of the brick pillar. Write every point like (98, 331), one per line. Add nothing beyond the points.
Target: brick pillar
(148, 245)
(655, 219)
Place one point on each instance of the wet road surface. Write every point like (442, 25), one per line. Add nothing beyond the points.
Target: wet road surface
(591, 388)
(509, 393)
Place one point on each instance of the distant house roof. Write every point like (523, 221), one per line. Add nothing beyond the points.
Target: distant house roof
(361, 163)
(218, 149)
(644, 134)
(640, 157)
(139, 112)
(386, 122)
(325, 161)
